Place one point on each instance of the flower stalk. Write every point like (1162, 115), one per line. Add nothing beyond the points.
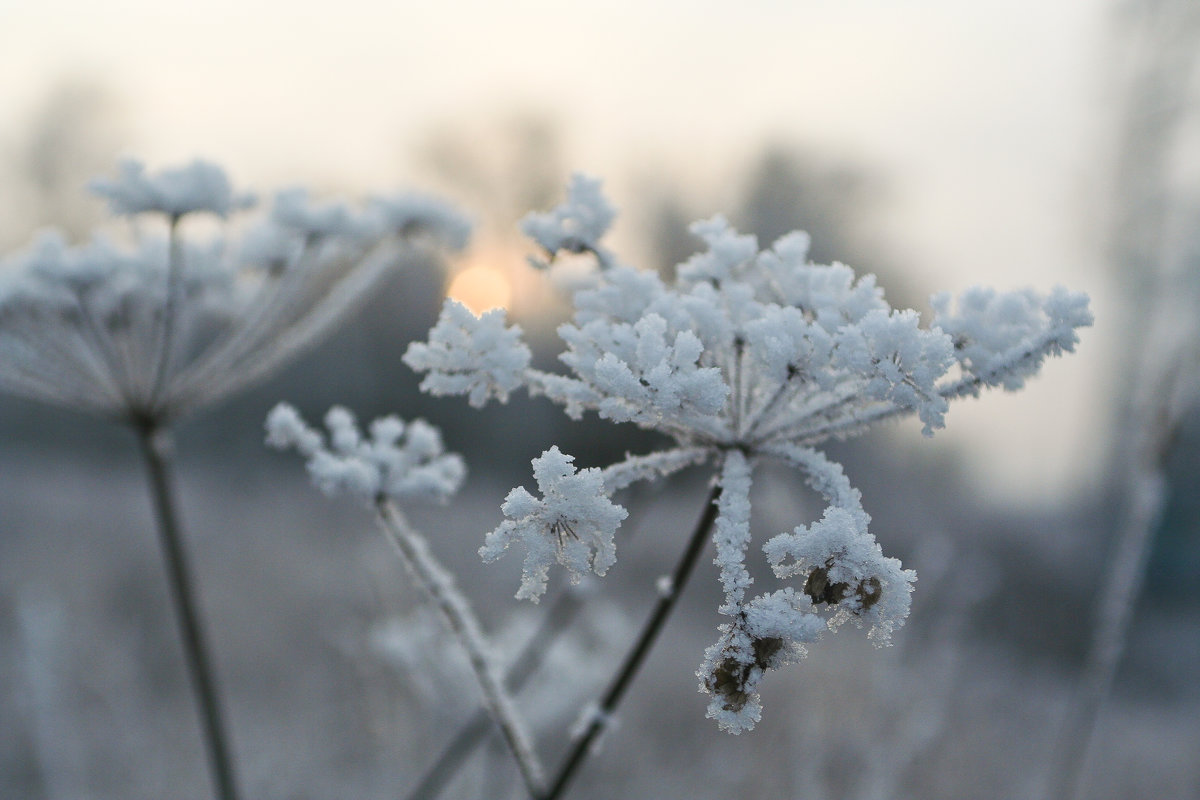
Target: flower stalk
(641, 648)
(437, 584)
(469, 736)
(155, 447)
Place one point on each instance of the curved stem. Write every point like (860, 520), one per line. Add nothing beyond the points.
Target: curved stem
(437, 584)
(469, 736)
(155, 448)
(641, 648)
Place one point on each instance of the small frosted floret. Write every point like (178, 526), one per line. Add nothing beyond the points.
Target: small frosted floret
(845, 570)
(1002, 338)
(398, 460)
(728, 255)
(413, 214)
(645, 372)
(900, 361)
(198, 186)
(572, 524)
(771, 632)
(576, 226)
(295, 210)
(467, 355)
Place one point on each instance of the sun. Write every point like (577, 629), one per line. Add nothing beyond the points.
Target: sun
(481, 288)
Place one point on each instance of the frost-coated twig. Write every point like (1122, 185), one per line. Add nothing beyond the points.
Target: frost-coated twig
(156, 448)
(439, 586)
(641, 648)
(469, 736)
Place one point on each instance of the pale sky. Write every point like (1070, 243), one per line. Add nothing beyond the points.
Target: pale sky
(989, 119)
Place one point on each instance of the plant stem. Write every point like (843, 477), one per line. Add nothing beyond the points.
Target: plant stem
(155, 445)
(1155, 417)
(437, 584)
(170, 310)
(469, 736)
(641, 648)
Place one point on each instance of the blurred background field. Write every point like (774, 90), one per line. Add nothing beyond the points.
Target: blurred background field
(936, 144)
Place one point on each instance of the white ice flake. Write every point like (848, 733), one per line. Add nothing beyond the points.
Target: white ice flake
(751, 355)
(573, 523)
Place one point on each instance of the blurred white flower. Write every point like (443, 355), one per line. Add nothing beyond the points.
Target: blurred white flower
(754, 354)
(398, 460)
(198, 186)
(157, 329)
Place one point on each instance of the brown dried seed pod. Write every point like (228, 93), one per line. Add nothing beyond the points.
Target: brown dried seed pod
(822, 590)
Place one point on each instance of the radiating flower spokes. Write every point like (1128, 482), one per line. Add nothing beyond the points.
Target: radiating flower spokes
(748, 355)
(162, 327)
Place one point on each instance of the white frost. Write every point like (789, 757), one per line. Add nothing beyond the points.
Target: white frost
(573, 523)
(467, 355)
(398, 460)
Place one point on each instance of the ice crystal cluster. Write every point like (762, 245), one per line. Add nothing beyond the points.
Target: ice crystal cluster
(398, 460)
(396, 463)
(746, 355)
(158, 327)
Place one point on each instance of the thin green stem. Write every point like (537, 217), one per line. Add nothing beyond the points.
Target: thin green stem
(155, 448)
(641, 648)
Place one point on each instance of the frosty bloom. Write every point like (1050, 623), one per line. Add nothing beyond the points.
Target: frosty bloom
(756, 354)
(576, 226)
(198, 186)
(475, 356)
(398, 460)
(413, 213)
(572, 524)
(163, 326)
(395, 463)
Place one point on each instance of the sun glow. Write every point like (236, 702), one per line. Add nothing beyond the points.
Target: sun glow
(481, 288)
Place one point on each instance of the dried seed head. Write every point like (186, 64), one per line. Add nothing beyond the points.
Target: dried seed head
(822, 590)
(729, 680)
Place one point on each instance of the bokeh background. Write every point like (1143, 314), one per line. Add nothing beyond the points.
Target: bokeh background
(937, 144)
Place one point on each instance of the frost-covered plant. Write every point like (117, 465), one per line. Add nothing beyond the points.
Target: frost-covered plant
(747, 355)
(160, 328)
(149, 330)
(399, 463)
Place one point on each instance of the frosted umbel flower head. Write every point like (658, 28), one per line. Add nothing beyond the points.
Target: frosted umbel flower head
(200, 186)
(158, 328)
(397, 460)
(572, 524)
(748, 355)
